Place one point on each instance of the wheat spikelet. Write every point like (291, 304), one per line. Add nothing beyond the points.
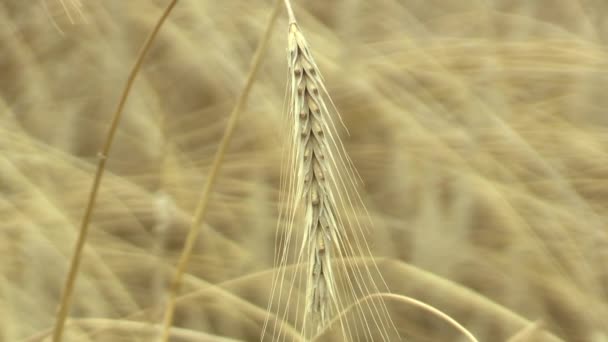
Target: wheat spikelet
(312, 187)
(321, 196)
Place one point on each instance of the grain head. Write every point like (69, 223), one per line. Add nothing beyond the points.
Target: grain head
(320, 186)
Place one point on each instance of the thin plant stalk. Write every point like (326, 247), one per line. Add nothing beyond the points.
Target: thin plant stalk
(411, 301)
(68, 289)
(201, 207)
(291, 16)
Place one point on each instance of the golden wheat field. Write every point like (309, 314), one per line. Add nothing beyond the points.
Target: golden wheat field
(478, 130)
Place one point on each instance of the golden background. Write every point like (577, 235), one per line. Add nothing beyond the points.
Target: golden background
(479, 129)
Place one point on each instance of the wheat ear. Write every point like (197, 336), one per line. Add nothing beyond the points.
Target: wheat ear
(311, 153)
(321, 185)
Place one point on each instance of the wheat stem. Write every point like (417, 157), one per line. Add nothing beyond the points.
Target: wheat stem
(436, 312)
(292, 17)
(68, 289)
(201, 207)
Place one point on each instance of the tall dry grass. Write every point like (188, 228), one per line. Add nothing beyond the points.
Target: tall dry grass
(478, 130)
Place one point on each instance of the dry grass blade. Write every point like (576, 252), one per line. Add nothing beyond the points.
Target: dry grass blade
(217, 161)
(64, 306)
(411, 301)
(322, 188)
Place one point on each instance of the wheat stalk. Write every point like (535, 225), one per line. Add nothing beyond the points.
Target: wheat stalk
(414, 302)
(321, 186)
(70, 281)
(202, 205)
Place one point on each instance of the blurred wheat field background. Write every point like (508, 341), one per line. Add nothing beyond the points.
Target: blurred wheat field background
(479, 130)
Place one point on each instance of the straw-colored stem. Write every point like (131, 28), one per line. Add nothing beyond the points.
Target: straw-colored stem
(405, 299)
(68, 289)
(292, 17)
(201, 207)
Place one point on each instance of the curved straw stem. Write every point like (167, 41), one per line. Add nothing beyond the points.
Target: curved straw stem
(68, 289)
(201, 207)
(414, 302)
(292, 17)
